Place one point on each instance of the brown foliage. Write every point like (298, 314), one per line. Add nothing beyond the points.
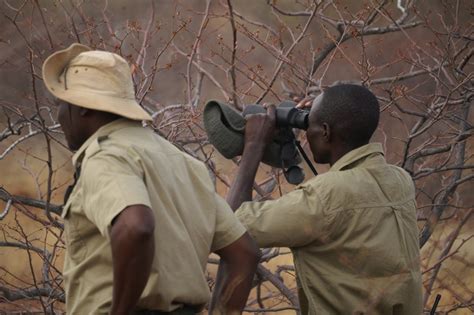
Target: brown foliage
(415, 55)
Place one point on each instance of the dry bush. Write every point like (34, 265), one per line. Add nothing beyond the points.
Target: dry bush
(416, 56)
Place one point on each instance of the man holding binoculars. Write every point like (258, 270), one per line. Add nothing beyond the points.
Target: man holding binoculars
(352, 230)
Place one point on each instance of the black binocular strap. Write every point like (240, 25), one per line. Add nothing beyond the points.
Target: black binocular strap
(305, 157)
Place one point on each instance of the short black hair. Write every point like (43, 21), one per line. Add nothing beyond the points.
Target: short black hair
(352, 111)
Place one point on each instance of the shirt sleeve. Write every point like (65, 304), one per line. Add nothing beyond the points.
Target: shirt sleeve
(228, 227)
(296, 219)
(111, 183)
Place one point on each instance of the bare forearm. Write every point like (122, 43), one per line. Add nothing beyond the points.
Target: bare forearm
(133, 247)
(232, 288)
(234, 277)
(132, 262)
(241, 189)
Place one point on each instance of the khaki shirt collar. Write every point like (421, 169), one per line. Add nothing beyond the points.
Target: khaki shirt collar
(356, 155)
(102, 132)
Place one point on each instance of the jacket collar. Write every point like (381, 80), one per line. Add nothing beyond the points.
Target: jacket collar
(351, 158)
(101, 133)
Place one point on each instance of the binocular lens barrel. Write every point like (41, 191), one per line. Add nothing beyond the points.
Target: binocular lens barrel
(287, 116)
(291, 118)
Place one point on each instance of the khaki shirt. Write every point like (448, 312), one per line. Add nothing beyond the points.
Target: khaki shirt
(124, 164)
(353, 234)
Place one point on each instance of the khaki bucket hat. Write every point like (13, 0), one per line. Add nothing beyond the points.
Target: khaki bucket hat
(225, 129)
(93, 79)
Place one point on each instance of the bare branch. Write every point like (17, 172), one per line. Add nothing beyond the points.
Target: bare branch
(15, 295)
(445, 253)
(146, 39)
(5, 211)
(290, 49)
(451, 187)
(266, 275)
(207, 73)
(204, 22)
(5, 196)
(232, 61)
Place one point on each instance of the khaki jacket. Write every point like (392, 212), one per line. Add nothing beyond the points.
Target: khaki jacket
(124, 164)
(353, 234)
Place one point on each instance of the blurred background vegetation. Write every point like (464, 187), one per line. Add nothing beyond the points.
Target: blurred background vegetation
(416, 56)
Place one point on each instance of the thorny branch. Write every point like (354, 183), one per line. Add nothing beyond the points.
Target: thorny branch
(423, 81)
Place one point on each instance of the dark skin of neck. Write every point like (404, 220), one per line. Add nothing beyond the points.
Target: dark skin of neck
(80, 123)
(342, 149)
(97, 120)
(326, 147)
(338, 152)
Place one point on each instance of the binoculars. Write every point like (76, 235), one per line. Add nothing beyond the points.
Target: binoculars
(287, 116)
(225, 128)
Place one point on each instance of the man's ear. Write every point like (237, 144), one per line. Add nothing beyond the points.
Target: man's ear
(326, 132)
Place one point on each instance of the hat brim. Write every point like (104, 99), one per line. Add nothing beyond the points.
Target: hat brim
(54, 66)
(225, 130)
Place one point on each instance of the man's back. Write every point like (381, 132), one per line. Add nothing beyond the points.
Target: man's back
(353, 235)
(190, 219)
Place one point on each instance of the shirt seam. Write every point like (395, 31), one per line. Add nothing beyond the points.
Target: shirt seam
(309, 297)
(371, 206)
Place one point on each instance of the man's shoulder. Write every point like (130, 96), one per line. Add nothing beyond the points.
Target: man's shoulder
(131, 134)
(323, 186)
(328, 179)
(107, 153)
(124, 140)
(401, 171)
(361, 185)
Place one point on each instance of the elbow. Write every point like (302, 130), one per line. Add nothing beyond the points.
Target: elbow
(136, 224)
(134, 233)
(143, 231)
(252, 252)
(243, 254)
(144, 227)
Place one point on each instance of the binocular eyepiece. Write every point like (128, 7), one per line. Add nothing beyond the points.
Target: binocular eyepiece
(291, 117)
(287, 115)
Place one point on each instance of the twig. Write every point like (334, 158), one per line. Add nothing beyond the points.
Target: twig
(5, 211)
(5, 196)
(456, 180)
(15, 295)
(204, 22)
(232, 61)
(290, 49)
(140, 62)
(266, 275)
(449, 244)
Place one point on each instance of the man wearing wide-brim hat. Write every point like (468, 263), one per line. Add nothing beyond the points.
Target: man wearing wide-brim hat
(141, 217)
